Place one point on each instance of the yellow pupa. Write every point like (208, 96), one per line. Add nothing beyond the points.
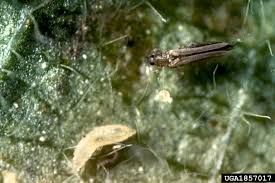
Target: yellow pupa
(9, 177)
(96, 139)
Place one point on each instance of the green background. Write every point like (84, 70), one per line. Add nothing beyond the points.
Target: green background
(69, 65)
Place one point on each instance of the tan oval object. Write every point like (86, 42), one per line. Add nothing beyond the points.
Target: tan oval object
(9, 177)
(96, 139)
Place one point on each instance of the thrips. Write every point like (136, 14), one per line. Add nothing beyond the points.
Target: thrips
(194, 53)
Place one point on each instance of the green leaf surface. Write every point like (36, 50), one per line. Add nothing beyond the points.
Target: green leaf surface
(68, 66)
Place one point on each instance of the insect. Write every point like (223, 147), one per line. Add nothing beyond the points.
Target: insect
(96, 139)
(194, 53)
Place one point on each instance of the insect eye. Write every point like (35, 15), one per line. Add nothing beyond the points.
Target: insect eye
(152, 59)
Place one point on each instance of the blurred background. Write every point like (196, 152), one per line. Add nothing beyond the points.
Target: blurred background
(67, 66)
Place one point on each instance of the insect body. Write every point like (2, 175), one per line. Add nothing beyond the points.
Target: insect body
(181, 56)
(96, 139)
